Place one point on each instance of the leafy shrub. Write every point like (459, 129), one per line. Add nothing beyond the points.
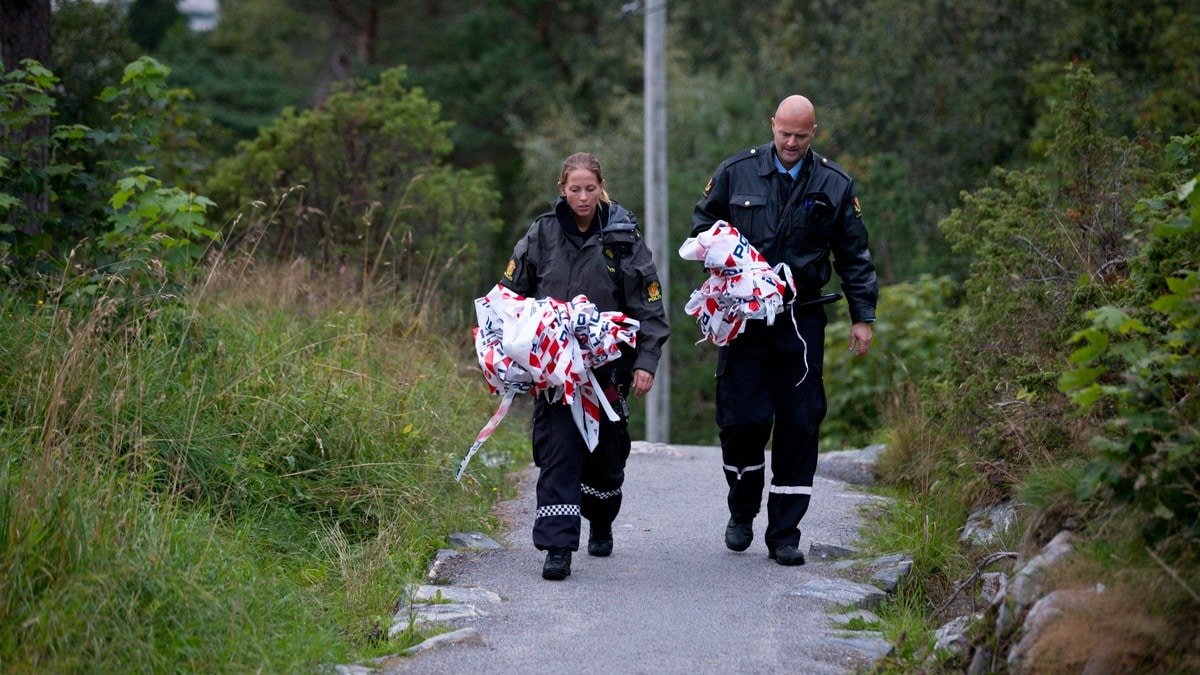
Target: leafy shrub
(1140, 370)
(1047, 244)
(91, 195)
(908, 336)
(376, 194)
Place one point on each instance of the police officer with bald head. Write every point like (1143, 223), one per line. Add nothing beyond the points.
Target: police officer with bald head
(799, 208)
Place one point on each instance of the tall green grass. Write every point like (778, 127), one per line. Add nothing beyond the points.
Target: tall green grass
(241, 479)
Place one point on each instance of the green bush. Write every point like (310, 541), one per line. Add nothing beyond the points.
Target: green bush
(907, 338)
(368, 189)
(86, 197)
(1139, 370)
(1047, 244)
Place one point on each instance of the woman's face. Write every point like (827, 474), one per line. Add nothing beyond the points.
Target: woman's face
(582, 192)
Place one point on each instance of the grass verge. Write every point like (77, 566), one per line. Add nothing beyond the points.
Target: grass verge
(244, 479)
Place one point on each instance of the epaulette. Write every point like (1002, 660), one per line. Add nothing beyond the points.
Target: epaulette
(825, 161)
(748, 153)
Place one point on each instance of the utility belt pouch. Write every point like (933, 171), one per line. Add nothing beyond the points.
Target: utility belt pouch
(618, 239)
(615, 389)
(617, 401)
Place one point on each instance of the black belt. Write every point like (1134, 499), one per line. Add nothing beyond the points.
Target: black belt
(817, 301)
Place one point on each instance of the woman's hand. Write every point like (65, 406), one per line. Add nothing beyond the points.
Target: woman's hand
(643, 382)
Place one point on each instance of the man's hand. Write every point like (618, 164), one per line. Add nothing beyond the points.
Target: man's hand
(643, 382)
(860, 338)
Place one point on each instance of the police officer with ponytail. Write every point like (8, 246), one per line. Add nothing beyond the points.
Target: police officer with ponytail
(587, 244)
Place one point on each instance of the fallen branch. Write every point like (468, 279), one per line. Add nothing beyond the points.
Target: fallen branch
(987, 562)
(1174, 575)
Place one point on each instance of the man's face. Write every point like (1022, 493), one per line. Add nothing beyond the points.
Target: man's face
(793, 134)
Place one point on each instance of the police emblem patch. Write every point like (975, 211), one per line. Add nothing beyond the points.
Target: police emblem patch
(708, 188)
(653, 292)
(857, 207)
(512, 267)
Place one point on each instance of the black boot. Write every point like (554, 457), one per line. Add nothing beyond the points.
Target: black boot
(600, 540)
(787, 555)
(738, 535)
(558, 564)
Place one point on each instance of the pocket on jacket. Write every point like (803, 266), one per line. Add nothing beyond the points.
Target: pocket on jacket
(749, 214)
(812, 226)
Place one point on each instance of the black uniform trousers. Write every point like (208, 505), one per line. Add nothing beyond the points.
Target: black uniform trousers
(769, 380)
(572, 481)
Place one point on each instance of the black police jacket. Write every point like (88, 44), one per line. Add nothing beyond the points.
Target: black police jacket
(820, 216)
(613, 268)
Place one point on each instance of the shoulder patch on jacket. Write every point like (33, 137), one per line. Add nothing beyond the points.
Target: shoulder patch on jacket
(512, 267)
(708, 188)
(857, 207)
(653, 292)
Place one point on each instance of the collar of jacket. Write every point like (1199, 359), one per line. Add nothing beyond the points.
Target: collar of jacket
(611, 215)
(566, 219)
(766, 159)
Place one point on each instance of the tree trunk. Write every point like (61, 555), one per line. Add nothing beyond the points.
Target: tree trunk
(25, 34)
(359, 22)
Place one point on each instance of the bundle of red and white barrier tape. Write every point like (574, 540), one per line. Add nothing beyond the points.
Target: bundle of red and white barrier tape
(547, 347)
(741, 285)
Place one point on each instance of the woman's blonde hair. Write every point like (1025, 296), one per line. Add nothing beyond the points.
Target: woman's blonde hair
(588, 161)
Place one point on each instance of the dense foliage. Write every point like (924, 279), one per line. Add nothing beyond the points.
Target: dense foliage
(917, 119)
(1095, 250)
(181, 424)
(88, 194)
(186, 443)
(1138, 370)
(362, 182)
(261, 455)
(1047, 245)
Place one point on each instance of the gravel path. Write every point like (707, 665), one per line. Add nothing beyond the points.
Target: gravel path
(670, 599)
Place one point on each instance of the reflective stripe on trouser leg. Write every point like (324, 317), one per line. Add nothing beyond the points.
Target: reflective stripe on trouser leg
(799, 410)
(604, 473)
(745, 414)
(785, 505)
(558, 451)
(742, 451)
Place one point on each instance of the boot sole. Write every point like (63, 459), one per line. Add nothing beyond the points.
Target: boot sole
(793, 561)
(600, 549)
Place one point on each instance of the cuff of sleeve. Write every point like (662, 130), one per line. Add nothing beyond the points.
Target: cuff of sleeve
(648, 365)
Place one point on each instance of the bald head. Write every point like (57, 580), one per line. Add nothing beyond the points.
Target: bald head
(796, 106)
(793, 126)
